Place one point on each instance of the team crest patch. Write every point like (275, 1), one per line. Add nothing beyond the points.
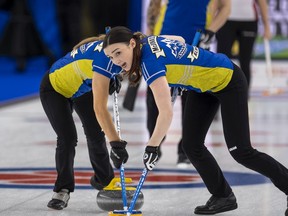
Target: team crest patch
(155, 47)
(177, 48)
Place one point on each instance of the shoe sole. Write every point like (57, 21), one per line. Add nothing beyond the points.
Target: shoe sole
(224, 209)
(57, 207)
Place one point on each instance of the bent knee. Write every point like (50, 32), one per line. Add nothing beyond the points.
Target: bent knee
(243, 155)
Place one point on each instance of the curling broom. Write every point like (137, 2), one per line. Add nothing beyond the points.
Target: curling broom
(125, 210)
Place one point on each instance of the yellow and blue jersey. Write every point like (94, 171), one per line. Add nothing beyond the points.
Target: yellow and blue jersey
(71, 76)
(183, 17)
(184, 66)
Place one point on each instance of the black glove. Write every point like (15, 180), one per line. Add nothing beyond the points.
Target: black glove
(206, 39)
(118, 153)
(150, 157)
(115, 84)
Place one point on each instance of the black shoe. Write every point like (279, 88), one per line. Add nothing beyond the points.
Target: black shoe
(59, 200)
(95, 183)
(183, 162)
(217, 204)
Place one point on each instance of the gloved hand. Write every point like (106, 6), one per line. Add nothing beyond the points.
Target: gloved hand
(206, 39)
(150, 157)
(118, 153)
(115, 84)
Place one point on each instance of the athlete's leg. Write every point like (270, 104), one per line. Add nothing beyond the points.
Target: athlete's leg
(226, 36)
(182, 158)
(59, 112)
(248, 34)
(199, 112)
(98, 152)
(234, 110)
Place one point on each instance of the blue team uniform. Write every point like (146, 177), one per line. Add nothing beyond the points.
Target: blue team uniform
(71, 76)
(65, 88)
(194, 12)
(185, 66)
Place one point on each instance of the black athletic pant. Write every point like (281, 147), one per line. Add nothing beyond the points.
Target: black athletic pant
(59, 112)
(199, 112)
(243, 31)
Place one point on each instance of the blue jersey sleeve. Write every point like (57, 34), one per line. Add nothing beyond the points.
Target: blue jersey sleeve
(151, 70)
(103, 65)
(152, 66)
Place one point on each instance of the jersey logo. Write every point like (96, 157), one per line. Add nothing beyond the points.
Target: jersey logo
(155, 47)
(194, 54)
(177, 48)
(74, 52)
(99, 47)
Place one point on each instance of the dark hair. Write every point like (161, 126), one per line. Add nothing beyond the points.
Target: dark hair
(121, 34)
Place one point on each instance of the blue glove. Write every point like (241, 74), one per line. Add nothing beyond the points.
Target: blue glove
(118, 153)
(150, 157)
(206, 39)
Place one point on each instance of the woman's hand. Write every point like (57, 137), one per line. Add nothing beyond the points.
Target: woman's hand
(118, 153)
(150, 157)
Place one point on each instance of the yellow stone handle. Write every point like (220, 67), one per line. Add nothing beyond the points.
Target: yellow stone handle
(115, 184)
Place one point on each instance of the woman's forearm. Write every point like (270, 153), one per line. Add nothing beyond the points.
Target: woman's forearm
(100, 87)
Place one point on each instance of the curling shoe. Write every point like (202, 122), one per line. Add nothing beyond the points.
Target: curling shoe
(95, 183)
(59, 200)
(217, 204)
(183, 162)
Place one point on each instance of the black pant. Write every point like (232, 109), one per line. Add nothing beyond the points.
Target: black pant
(199, 112)
(245, 32)
(59, 112)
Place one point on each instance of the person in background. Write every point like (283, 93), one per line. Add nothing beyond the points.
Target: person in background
(163, 19)
(242, 26)
(212, 79)
(67, 86)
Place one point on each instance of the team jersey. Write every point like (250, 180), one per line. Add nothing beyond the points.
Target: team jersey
(184, 66)
(71, 76)
(183, 17)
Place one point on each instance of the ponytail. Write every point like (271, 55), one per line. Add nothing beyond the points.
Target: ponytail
(135, 73)
(87, 40)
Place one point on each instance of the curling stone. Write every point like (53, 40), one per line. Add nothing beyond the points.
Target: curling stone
(110, 198)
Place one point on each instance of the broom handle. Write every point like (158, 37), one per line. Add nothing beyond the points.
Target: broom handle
(137, 192)
(122, 171)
